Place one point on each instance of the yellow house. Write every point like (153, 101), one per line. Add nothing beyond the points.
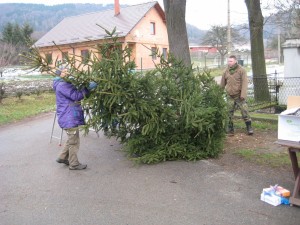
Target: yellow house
(142, 27)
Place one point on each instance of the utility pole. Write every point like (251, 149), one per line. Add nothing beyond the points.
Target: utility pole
(228, 31)
(278, 46)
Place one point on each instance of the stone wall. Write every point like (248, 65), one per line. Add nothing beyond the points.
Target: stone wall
(11, 88)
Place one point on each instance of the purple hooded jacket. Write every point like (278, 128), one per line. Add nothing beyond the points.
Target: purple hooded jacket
(68, 108)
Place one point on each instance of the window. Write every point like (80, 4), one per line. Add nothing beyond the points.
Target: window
(65, 56)
(48, 57)
(85, 55)
(153, 52)
(165, 53)
(152, 28)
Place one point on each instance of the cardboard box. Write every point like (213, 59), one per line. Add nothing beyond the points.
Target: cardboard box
(289, 125)
(282, 192)
(293, 101)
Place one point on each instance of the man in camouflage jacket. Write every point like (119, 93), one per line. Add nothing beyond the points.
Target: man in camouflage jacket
(235, 82)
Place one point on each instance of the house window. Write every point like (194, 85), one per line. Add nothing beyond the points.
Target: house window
(152, 28)
(165, 53)
(153, 52)
(85, 55)
(65, 56)
(48, 57)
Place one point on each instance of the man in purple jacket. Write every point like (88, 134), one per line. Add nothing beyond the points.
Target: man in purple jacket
(70, 117)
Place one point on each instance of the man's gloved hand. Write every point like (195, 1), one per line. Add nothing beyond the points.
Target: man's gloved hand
(92, 85)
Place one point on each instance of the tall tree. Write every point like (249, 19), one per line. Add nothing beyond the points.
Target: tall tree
(7, 33)
(27, 31)
(256, 22)
(15, 40)
(17, 35)
(217, 37)
(176, 26)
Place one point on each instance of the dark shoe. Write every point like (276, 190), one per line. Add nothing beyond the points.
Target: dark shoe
(78, 167)
(230, 133)
(230, 129)
(65, 161)
(249, 128)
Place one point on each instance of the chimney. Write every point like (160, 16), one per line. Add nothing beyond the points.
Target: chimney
(117, 7)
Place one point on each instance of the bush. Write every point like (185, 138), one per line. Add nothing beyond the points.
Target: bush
(19, 94)
(2, 91)
(280, 108)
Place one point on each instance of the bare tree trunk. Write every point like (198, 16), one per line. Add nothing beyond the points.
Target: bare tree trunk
(176, 26)
(256, 22)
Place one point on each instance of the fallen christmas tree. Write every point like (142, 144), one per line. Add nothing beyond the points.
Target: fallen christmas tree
(169, 113)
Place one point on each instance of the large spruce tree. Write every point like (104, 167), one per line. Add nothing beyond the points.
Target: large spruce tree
(168, 113)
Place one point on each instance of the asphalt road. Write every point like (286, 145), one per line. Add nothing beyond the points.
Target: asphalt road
(35, 190)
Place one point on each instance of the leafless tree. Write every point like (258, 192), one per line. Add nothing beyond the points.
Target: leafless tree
(285, 17)
(288, 16)
(9, 55)
(217, 37)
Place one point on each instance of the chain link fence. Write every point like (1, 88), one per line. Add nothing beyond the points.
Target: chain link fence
(210, 60)
(279, 88)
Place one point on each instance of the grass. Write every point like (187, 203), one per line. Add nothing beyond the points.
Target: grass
(14, 109)
(214, 72)
(261, 155)
(264, 158)
(259, 123)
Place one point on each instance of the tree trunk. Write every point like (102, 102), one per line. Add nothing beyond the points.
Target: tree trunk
(176, 26)
(256, 22)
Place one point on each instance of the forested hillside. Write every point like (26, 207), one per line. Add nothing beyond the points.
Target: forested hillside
(42, 17)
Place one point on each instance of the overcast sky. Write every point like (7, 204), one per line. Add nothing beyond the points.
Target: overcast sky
(200, 13)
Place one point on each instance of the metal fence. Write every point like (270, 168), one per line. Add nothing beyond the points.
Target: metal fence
(213, 59)
(279, 88)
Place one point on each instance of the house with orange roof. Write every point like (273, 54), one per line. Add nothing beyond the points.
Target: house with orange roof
(141, 27)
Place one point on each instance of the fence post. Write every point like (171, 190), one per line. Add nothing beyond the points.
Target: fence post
(276, 87)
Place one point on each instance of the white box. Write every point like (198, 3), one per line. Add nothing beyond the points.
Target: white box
(289, 128)
(271, 199)
(289, 125)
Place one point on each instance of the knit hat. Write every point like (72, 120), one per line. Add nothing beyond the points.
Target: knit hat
(58, 71)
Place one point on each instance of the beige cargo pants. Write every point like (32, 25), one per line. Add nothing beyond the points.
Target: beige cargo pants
(71, 147)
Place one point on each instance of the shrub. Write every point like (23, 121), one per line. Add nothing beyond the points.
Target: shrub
(2, 91)
(19, 94)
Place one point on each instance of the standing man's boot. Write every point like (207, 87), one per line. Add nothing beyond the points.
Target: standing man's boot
(230, 129)
(249, 128)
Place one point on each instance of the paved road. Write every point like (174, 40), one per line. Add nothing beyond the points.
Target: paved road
(35, 190)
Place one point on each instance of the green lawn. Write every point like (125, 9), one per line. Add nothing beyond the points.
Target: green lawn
(14, 109)
(272, 159)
